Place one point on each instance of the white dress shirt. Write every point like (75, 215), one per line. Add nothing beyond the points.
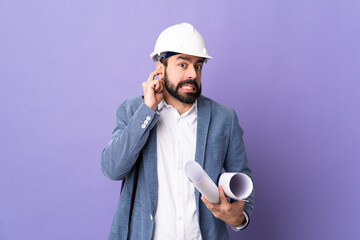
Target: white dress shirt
(176, 216)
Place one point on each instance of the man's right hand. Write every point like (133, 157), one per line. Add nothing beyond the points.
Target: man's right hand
(153, 90)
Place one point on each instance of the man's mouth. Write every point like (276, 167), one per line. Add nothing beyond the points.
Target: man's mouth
(188, 88)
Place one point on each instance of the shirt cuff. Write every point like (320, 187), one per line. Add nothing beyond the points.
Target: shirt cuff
(241, 226)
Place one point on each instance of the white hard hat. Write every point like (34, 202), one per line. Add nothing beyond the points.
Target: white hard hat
(180, 38)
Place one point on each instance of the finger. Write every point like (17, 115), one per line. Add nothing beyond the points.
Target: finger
(149, 86)
(208, 204)
(161, 86)
(161, 81)
(222, 195)
(153, 74)
(204, 200)
(157, 87)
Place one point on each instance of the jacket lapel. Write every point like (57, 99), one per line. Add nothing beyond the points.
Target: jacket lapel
(203, 121)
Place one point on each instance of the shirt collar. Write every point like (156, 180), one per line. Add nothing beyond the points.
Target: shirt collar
(163, 103)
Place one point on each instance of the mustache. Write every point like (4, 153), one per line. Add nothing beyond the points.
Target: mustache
(193, 82)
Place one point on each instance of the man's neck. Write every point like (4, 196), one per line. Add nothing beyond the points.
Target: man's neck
(179, 106)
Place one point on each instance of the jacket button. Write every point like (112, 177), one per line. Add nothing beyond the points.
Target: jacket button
(151, 217)
(148, 118)
(146, 122)
(143, 126)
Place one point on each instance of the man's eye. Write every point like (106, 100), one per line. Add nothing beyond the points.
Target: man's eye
(182, 65)
(198, 67)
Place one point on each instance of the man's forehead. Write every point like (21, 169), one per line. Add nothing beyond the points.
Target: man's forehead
(190, 58)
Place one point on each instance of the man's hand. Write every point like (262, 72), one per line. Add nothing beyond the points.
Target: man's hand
(231, 213)
(153, 90)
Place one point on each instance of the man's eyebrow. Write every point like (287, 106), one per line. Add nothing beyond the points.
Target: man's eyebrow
(184, 58)
(188, 59)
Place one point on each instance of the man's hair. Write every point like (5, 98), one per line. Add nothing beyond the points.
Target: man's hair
(163, 60)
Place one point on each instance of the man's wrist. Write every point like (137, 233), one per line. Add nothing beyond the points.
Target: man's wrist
(151, 106)
(239, 220)
(243, 224)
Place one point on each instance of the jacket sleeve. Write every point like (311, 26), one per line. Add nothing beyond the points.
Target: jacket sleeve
(236, 160)
(128, 138)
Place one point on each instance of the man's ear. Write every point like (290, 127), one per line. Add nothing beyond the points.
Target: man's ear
(160, 66)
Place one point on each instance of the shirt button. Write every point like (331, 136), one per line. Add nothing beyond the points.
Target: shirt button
(151, 217)
(148, 118)
(146, 121)
(143, 126)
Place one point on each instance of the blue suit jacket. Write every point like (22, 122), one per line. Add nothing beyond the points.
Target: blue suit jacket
(219, 145)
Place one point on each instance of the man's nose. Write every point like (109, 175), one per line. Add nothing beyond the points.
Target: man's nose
(191, 72)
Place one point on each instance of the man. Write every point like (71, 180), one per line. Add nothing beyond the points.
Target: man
(156, 135)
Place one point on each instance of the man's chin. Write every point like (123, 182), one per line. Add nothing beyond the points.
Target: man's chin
(188, 98)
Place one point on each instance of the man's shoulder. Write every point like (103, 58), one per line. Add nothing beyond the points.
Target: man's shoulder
(136, 100)
(130, 104)
(219, 113)
(216, 107)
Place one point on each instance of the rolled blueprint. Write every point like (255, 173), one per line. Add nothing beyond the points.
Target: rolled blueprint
(237, 186)
(202, 181)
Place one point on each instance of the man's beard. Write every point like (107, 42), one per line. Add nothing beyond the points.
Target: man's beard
(188, 98)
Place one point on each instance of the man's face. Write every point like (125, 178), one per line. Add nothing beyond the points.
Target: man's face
(182, 77)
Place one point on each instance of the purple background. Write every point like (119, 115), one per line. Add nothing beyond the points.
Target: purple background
(289, 68)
